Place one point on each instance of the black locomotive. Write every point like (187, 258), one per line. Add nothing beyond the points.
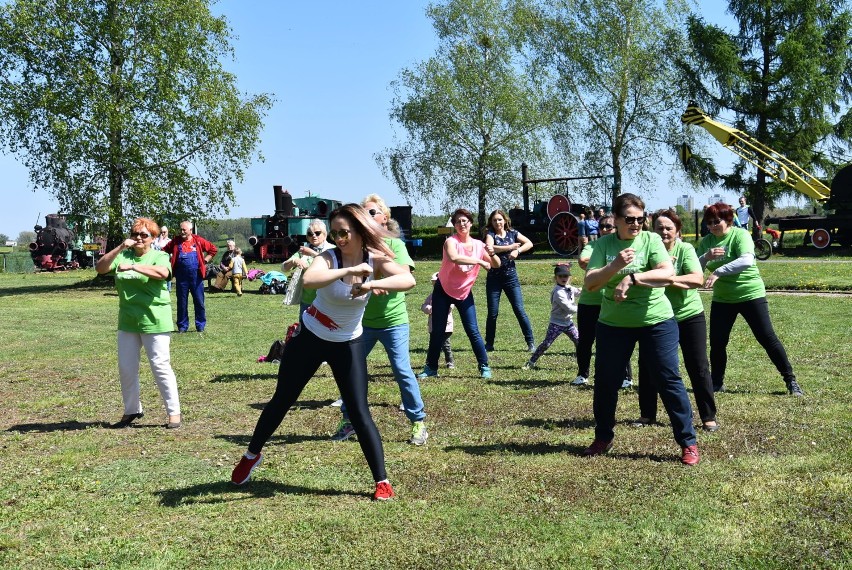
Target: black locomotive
(63, 243)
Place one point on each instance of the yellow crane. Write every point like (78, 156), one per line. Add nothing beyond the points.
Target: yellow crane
(776, 165)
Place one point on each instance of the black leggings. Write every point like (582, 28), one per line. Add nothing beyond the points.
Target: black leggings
(756, 314)
(693, 344)
(587, 321)
(302, 356)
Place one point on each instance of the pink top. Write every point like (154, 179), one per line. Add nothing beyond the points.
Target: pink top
(458, 280)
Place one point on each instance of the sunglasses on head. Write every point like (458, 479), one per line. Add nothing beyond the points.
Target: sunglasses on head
(143, 235)
(314, 234)
(635, 220)
(337, 234)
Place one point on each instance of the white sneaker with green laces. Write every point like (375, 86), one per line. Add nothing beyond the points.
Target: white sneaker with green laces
(419, 435)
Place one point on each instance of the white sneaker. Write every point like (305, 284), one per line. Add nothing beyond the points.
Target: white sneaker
(580, 381)
(401, 407)
(336, 403)
(527, 365)
(628, 383)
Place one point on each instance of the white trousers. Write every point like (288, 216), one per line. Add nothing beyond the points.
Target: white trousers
(157, 348)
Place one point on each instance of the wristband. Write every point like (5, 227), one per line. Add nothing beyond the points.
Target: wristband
(633, 278)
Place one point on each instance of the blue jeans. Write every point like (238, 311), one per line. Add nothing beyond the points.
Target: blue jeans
(189, 282)
(395, 341)
(505, 281)
(467, 315)
(658, 348)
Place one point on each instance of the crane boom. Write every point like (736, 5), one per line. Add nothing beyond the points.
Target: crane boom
(769, 161)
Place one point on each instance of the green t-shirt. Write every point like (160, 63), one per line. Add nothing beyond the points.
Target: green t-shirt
(308, 295)
(589, 297)
(644, 306)
(384, 311)
(685, 302)
(743, 286)
(144, 305)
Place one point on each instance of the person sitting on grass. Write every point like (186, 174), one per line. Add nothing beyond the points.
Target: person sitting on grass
(563, 304)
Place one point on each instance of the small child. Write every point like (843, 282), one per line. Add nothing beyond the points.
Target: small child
(238, 271)
(426, 307)
(563, 304)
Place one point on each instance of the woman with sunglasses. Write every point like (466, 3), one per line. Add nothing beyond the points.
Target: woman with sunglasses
(331, 331)
(144, 319)
(588, 311)
(689, 314)
(386, 321)
(315, 245)
(463, 257)
(632, 267)
(728, 252)
(507, 244)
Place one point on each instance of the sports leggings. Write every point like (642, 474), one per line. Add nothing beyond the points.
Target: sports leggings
(553, 332)
(302, 356)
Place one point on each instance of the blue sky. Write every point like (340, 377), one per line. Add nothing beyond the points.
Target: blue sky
(329, 65)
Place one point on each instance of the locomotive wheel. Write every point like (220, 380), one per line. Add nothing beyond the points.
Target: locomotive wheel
(562, 234)
(762, 249)
(820, 238)
(557, 204)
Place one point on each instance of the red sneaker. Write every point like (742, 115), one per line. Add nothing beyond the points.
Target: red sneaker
(384, 491)
(242, 472)
(690, 455)
(598, 447)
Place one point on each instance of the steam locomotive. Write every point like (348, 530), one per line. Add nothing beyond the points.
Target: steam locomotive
(63, 243)
(275, 238)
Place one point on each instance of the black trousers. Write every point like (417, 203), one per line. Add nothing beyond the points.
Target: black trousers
(693, 345)
(302, 356)
(756, 314)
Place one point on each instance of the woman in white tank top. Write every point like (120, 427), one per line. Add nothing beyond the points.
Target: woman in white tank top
(331, 332)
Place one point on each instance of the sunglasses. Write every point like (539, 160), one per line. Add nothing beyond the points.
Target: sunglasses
(634, 220)
(715, 222)
(461, 221)
(143, 235)
(373, 212)
(607, 226)
(337, 234)
(314, 234)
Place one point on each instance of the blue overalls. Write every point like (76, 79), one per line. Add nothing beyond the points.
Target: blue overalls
(188, 280)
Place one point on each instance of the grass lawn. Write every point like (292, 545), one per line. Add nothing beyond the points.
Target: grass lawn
(500, 483)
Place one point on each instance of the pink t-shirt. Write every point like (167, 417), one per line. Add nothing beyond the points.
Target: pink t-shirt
(458, 280)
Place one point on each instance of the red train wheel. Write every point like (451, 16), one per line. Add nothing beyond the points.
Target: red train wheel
(562, 234)
(557, 204)
(820, 238)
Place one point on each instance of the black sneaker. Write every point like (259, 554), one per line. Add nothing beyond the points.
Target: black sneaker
(794, 389)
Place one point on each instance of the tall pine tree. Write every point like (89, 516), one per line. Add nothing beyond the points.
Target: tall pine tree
(786, 75)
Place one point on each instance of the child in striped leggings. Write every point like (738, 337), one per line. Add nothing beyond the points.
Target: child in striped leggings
(563, 304)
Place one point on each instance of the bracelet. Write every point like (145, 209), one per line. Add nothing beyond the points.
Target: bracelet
(633, 278)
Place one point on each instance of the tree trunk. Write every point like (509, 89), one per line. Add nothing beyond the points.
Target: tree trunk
(616, 180)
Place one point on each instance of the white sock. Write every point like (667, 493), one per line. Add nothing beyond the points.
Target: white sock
(250, 455)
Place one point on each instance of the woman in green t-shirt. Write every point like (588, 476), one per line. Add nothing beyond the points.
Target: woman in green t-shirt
(632, 267)
(728, 252)
(689, 314)
(144, 318)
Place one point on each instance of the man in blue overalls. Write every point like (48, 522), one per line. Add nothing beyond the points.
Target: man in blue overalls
(190, 255)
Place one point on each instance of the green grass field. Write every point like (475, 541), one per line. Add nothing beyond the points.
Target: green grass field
(500, 484)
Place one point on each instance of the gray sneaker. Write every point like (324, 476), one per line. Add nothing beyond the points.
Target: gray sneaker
(628, 383)
(794, 389)
(580, 381)
(419, 435)
(344, 431)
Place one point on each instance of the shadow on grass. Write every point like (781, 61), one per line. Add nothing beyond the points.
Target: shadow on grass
(72, 425)
(517, 448)
(525, 384)
(96, 284)
(225, 491)
(301, 404)
(557, 424)
(243, 377)
(243, 440)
